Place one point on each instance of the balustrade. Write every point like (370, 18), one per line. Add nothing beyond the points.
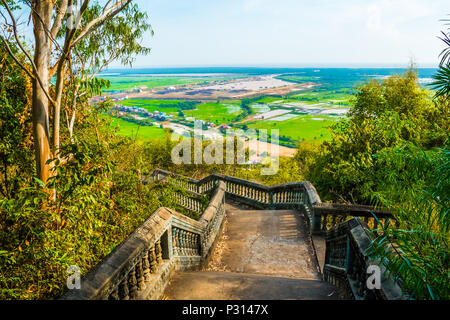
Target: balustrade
(346, 263)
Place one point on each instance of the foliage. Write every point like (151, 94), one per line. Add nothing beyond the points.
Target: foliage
(15, 125)
(96, 208)
(442, 81)
(442, 78)
(416, 252)
(385, 115)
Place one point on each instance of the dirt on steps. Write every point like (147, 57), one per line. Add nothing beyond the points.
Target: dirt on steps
(265, 242)
(260, 255)
(211, 285)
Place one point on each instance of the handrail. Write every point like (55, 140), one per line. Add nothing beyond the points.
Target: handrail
(301, 196)
(168, 241)
(347, 262)
(142, 265)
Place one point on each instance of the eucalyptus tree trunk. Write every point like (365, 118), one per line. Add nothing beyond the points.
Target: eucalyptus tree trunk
(42, 15)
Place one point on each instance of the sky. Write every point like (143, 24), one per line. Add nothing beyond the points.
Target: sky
(293, 32)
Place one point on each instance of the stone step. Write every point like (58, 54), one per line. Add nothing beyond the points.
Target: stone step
(211, 285)
(269, 242)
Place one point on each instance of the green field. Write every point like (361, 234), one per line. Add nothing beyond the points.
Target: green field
(215, 112)
(303, 127)
(128, 83)
(306, 128)
(139, 133)
(153, 105)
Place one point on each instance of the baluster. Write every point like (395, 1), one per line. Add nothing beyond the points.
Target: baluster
(197, 245)
(146, 266)
(188, 243)
(182, 243)
(323, 218)
(123, 290)
(140, 275)
(174, 241)
(193, 242)
(153, 262)
(132, 284)
(114, 295)
(185, 243)
(158, 252)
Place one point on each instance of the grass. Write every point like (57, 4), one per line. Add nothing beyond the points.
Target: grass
(143, 134)
(214, 112)
(302, 128)
(152, 105)
(128, 83)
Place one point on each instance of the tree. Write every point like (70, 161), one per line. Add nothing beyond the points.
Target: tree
(15, 125)
(63, 42)
(385, 115)
(442, 78)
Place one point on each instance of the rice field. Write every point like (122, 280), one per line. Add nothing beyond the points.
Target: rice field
(140, 133)
(214, 112)
(307, 128)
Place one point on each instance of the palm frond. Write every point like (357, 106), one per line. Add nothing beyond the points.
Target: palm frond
(445, 54)
(442, 81)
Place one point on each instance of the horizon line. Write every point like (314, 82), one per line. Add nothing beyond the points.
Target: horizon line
(312, 65)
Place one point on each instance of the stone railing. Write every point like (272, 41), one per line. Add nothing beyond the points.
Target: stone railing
(190, 201)
(141, 267)
(301, 196)
(347, 262)
(333, 214)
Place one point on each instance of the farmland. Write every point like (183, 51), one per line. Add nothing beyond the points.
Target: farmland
(217, 113)
(129, 83)
(140, 133)
(301, 105)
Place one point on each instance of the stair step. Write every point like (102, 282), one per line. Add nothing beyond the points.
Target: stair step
(269, 242)
(210, 285)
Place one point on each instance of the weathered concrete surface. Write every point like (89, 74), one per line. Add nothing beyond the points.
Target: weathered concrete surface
(211, 285)
(320, 247)
(273, 243)
(260, 255)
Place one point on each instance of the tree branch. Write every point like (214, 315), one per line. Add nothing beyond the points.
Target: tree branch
(106, 15)
(59, 18)
(16, 36)
(16, 59)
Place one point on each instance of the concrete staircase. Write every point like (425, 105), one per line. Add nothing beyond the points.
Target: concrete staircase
(260, 255)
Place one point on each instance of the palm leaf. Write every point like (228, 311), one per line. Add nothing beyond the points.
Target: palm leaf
(442, 81)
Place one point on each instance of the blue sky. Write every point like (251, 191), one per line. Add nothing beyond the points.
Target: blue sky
(293, 32)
